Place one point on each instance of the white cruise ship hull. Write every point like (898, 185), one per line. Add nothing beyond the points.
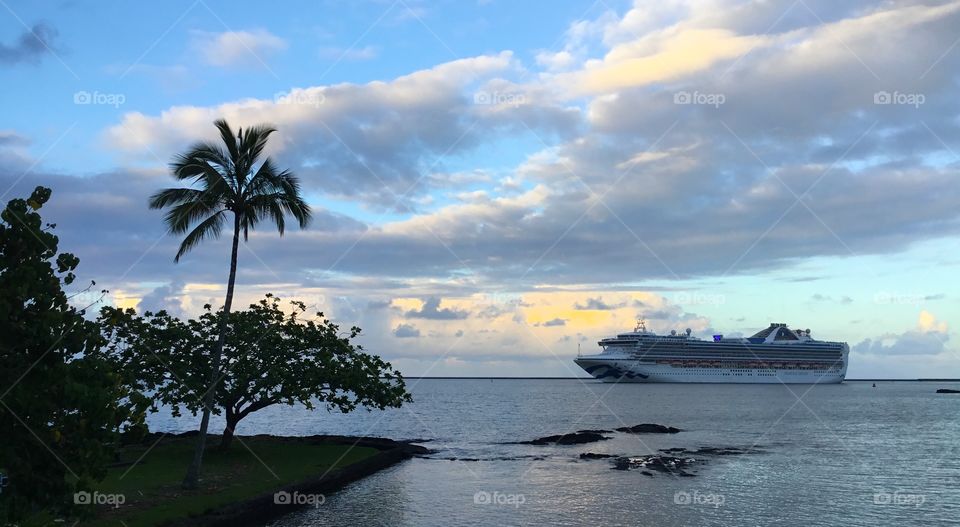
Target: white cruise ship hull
(775, 355)
(626, 369)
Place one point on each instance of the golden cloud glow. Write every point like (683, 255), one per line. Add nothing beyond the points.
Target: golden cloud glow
(685, 52)
(928, 323)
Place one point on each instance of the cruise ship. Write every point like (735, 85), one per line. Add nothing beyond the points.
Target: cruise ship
(776, 354)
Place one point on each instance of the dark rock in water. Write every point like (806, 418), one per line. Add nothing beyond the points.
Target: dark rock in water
(576, 438)
(592, 455)
(713, 451)
(516, 458)
(649, 428)
(947, 390)
(656, 463)
(719, 451)
(677, 461)
(595, 431)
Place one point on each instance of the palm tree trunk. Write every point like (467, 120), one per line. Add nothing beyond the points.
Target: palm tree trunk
(192, 478)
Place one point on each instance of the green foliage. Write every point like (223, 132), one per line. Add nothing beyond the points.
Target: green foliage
(269, 357)
(59, 411)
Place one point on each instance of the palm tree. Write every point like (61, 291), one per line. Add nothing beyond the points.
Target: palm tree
(226, 181)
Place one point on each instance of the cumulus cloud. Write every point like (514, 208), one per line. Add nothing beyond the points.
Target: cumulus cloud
(928, 338)
(597, 303)
(406, 331)
(431, 310)
(168, 297)
(236, 48)
(378, 142)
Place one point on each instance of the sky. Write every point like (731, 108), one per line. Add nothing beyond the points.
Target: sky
(498, 184)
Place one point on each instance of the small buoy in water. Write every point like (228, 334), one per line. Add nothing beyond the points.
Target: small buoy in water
(874, 385)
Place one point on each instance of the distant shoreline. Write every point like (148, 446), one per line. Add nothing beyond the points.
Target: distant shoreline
(591, 378)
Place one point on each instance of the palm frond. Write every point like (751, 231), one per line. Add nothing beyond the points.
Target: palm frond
(180, 217)
(174, 196)
(264, 181)
(228, 138)
(253, 142)
(269, 205)
(208, 228)
(205, 163)
(282, 186)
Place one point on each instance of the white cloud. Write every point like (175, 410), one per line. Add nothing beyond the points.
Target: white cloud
(235, 48)
(555, 61)
(371, 141)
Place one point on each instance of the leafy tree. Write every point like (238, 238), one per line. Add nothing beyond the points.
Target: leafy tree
(232, 186)
(59, 400)
(269, 357)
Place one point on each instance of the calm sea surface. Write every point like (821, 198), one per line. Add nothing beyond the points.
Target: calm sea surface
(846, 454)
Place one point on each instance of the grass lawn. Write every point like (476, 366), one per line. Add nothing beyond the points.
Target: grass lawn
(252, 466)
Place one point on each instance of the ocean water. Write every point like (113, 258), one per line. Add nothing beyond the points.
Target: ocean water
(847, 454)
